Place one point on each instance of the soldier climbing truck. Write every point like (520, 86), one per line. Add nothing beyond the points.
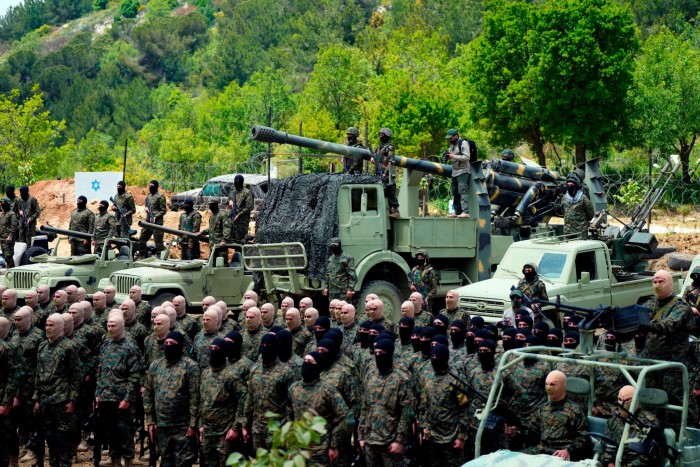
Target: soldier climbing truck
(163, 279)
(302, 213)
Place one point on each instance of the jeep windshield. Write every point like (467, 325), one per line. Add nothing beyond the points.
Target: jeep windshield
(550, 264)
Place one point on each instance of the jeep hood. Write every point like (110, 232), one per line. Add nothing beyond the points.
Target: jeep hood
(488, 289)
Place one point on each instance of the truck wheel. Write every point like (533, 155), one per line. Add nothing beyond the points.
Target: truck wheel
(658, 252)
(159, 299)
(387, 293)
(31, 252)
(680, 261)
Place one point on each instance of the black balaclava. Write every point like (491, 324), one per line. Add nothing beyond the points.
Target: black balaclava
(335, 246)
(24, 192)
(153, 189)
(541, 330)
(487, 359)
(214, 207)
(10, 192)
(458, 335)
(529, 276)
(310, 372)
(610, 341)
(440, 339)
(420, 260)
(532, 341)
(82, 202)
(406, 326)
(332, 351)
(375, 327)
(509, 343)
(5, 204)
(477, 322)
(415, 338)
(324, 323)
(572, 335)
(234, 352)
(284, 342)
(527, 320)
(555, 338)
(640, 341)
(426, 337)
(188, 205)
(103, 206)
(276, 329)
(492, 329)
(121, 187)
(471, 345)
(695, 275)
(336, 335)
(217, 358)
(268, 348)
(173, 352)
(384, 362)
(238, 182)
(440, 324)
(520, 343)
(440, 358)
(363, 333)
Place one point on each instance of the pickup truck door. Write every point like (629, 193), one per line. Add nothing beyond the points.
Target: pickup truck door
(224, 282)
(595, 291)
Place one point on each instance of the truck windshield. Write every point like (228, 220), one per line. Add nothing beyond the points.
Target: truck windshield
(211, 189)
(550, 265)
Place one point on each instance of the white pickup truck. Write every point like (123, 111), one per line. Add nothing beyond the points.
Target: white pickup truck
(580, 272)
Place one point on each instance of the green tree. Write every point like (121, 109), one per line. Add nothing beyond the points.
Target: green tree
(664, 104)
(129, 8)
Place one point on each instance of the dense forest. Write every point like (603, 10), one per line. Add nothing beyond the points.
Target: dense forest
(561, 80)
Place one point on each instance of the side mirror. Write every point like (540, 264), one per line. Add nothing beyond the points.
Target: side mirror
(363, 203)
(585, 278)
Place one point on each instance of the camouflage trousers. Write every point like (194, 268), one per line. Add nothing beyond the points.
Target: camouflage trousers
(123, 228)
(157, 235)
(377, 455)
(26, 235)
(59, 429)
(117, 428)
(390, 195)
(240, 230)
(176, 449)
(79, 248)
(190, 250)
(8, 252)
(216, 450)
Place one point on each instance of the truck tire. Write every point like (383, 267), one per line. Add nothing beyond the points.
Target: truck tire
(31, 252)
(389, 294)
(160, 298)
(680, 261)
(658, 252)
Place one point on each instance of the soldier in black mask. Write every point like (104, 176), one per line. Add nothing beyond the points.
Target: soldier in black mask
(571, 340)
(27, 213)
(541, 329)
(8, 232)
(105, 226)
(81, 220)
(555, 338)
(190, 221)
(521, 336)
(508, 339)
(123, 207)
(458, 335)
(406, 326)
(155, 211)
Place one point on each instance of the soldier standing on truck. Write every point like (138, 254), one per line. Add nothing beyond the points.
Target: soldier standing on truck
(423, 278)
(241, 202)
(81, 220)
(532, 286)
(219, 230)
(340, 277)
(190, 221)
(8, 232)
(385, 166)
(29, 211)
(155, 211)
(578, 209)
(351, 165)
(105, 226)
(460, 155)
(124, 207)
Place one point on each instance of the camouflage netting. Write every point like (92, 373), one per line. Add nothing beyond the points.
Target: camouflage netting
(303, 209)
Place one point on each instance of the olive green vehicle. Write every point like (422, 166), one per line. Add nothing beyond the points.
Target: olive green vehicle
(163, 279)
(58, 272)
(461, 251)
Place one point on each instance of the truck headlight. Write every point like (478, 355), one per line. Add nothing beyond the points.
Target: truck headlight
(37, 276)
(8, 275)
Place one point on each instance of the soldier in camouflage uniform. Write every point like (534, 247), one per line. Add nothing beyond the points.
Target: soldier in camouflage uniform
(562, 423)
(56, 391)
(423, 278)
(240, 199)
(12, 198)
(300, 336)
(219, 231)
(187, 323)
(143, 308)
(203, 340)
(320, 398)
(123, 207)
(8, 232)
(375, 312)
(28, 214)
(532, 287)
(8, 391)
(340, 277)
(578, 209)
(352, 165)
(118, 383)
(421, 316)
(81, 220)
(348, 326)
(154, 342)
(692, 293)
(452, 311)
(253, 332)
(155, 211)
(105, 227)
(386, 409)
(190, 221)
(222, 394)
(132, 327)
(171, 403)
(384, 160)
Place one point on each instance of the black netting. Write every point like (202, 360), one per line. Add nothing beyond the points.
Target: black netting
(303, 209)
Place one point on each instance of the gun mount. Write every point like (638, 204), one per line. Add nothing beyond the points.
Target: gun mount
(179, 233)
(48, 230)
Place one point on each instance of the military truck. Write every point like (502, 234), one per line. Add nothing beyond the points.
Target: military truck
(58, 272)
(302, 213)
(163, 279)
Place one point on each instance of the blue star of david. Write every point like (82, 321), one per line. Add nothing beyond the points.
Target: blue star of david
(96, 185)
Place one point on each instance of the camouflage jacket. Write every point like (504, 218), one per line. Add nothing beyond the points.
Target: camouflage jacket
(27, 346)
(243, 204)
(386, 409)
(342, 378)
(441, 411)
(152, 349)
(616, 426)
(534, 289)
(349, 336)
(189, 325)
(300, 340)
(222, 397)
(251, 342)
(454, 314)
(425, 280)
(219, 228)
(120, 370)
(669, 329)
(202, 347)
(29, 209)
(191, 222)
(563, 425)
(137, 332)
(324, 400)
(59, 378)
(523, 386)
(92, 341)
(423, 318)
(577, 215)
(82, 220)
(481, 381)
(692, 295)
(156, 206)
(384, 158)
(8, 370)
(340, 274)
(127, 206)
(268, 391)
(143, 313)
(171, 398)
(105, 226)
(9, 226)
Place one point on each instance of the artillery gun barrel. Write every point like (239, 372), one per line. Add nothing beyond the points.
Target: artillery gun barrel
(270, 135)
(70, 233)
(179, 233)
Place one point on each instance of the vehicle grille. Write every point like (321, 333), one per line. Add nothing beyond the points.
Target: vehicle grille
(22, 280)
(482, 306)
(124, 283)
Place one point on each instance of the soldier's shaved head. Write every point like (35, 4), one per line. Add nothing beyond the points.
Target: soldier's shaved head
(31, 298)
(71, 294)
(44, 293)
(555, 385)
(4, 327)
(115, 326)
(251, 295)
(172, 315)
(210, 320)
(180, 305)
(76, 311)
(305, 303)
(68, 324)
(23, 319)
(293, 318)
(253, 318)
(9, 299)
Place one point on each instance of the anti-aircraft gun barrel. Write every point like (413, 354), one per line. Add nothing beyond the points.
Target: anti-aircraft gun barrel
(47, 229)
(270, 135)
(179, 233)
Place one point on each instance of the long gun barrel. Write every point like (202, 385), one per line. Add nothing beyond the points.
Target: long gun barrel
(179, 233)
(70, 233)
(270, 135)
